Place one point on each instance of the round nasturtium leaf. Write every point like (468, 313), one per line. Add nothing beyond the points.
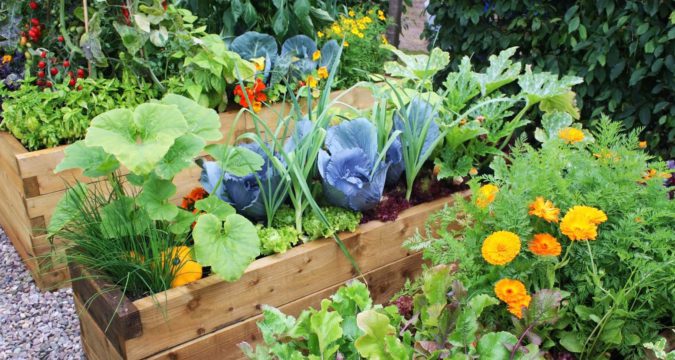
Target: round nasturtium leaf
(140, 138)
(227, 246)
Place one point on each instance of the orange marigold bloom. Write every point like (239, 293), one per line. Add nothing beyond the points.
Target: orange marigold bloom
(545, 245)
(571, 135)
(544, 209)
(195, 195)
(510, 291)
(500, 247)
(516, 308)
(322, 72)
(581, 223)
(486, 195)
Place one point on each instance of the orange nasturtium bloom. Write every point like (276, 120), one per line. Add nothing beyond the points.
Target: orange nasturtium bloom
(581, 222)
(544, 209)
(571, 135)
(486, 195)
(500, 248)
(514, 294)
(545, 245)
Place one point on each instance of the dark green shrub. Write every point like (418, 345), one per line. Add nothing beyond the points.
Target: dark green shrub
(624, 50)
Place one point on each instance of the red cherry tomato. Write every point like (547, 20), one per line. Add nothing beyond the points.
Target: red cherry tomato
(66, 63)
(42, 64)
(54, 71)
(41, 74)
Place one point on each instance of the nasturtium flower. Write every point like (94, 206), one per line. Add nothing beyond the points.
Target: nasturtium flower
(500, 247)
(185, 270)
(312, 82)
(316, 55)
(545, 245)
(486, 195)
(322, 72)
(544, 209)
(571, 135)
(581, 223)
(195, 195)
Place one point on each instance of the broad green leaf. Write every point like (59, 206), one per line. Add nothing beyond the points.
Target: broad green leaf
(201, 121)
(416, 67)
(544, 307)
(458, 135)
(437, 282)
(154, 198)
(326, 326)
(502, 71)
(572, 342)
(461, 86)
(376, 328)
(546, 87)
(465, 328)
(159, 37)
(138, 139)
(67, 208)
(274, 324)
(493, 345)
(228, 247)
(352, 298)
(478, 303)
(213, 205)
(182, 222)
(132, 39)
(564, 102)
(93, 161)
(236, 160)
(180, 156)
(611, 332)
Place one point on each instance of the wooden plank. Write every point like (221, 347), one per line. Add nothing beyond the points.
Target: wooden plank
(383, 283)
(94, 341)
(108, 308)
(274, 280)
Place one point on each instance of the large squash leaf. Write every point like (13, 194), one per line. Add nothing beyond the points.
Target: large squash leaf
(236, 160)
(93, 161)
(179, 156)
(227, 246)
(140, 138)
(201, 121)
(155, 199)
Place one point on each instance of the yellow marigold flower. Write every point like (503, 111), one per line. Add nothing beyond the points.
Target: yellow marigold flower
(346, 43)
(486, 195)
(322, 72)
(544, 209)
(311, 81)
(316, 55)
(380, 15)
(510, 291)
(581, 223)
(516, 308)
(6, 59)
(320, 34)
(336, 29)
(642, 144)
(500, 247)
(545, 245)
(571, 135)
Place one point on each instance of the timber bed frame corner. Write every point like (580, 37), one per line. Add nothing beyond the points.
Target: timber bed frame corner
(207, 319)
(29, 190)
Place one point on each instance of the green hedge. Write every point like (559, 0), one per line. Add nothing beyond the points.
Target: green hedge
(625, 50)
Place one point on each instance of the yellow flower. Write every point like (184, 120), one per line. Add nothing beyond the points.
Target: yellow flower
(571, 135)
(259, 63)
(352, 13)
(380, 15)
(316, 55)
(311, 81)
(486, 195)
(6, 59)
(320, 35)
(257, 106)
(336, 28)
(544, 209)
(322, 72)
(516, 308)
(545, 245)
(500, 247)
(346, 43)
(581, 223)
(642, 144)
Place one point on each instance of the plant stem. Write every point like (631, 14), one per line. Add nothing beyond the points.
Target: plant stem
(520, 340)
(519, 116)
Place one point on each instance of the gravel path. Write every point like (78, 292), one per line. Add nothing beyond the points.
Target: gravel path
(33, 324)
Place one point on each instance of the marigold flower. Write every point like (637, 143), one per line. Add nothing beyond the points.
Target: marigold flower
(642, 144)
(486, 195)
(571, 135)
(380, 15)
(346, 43)
(545, 245)
(500, 247)
(316, 55)
(510, 291)
(581, 223)
(322, 72)
(6, 59)
(351, 13)
(544, 209)
(516, 308)
(311, 81)
(320, 34)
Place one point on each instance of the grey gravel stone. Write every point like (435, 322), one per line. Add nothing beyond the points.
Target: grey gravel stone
(34, 325)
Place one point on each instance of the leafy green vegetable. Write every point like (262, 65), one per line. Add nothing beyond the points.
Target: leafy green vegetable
(276, 240)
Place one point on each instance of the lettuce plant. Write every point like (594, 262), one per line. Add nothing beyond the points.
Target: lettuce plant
(156, 141)
(352, 174)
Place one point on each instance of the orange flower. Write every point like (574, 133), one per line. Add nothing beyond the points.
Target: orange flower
(581, 223)
(486, 195)
(545, 245)
(500, 247)
(642, 144)
(323, 73)
(516, 308)
(544, 209)
(195, 195)
(514, 294)
(571, 135)
(257, 106)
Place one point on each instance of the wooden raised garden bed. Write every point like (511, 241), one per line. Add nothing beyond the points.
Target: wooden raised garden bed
(30, 190)
(208, 318)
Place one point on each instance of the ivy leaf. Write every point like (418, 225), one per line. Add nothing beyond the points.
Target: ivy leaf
(494, 345)
(179, 156)
(213, 205)
(227, 246)
(201, 121)
(93, 161)
(67, 208)
(376, 328)
(155, 198)
(138, 139)
(326, 326)
(236, 160)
